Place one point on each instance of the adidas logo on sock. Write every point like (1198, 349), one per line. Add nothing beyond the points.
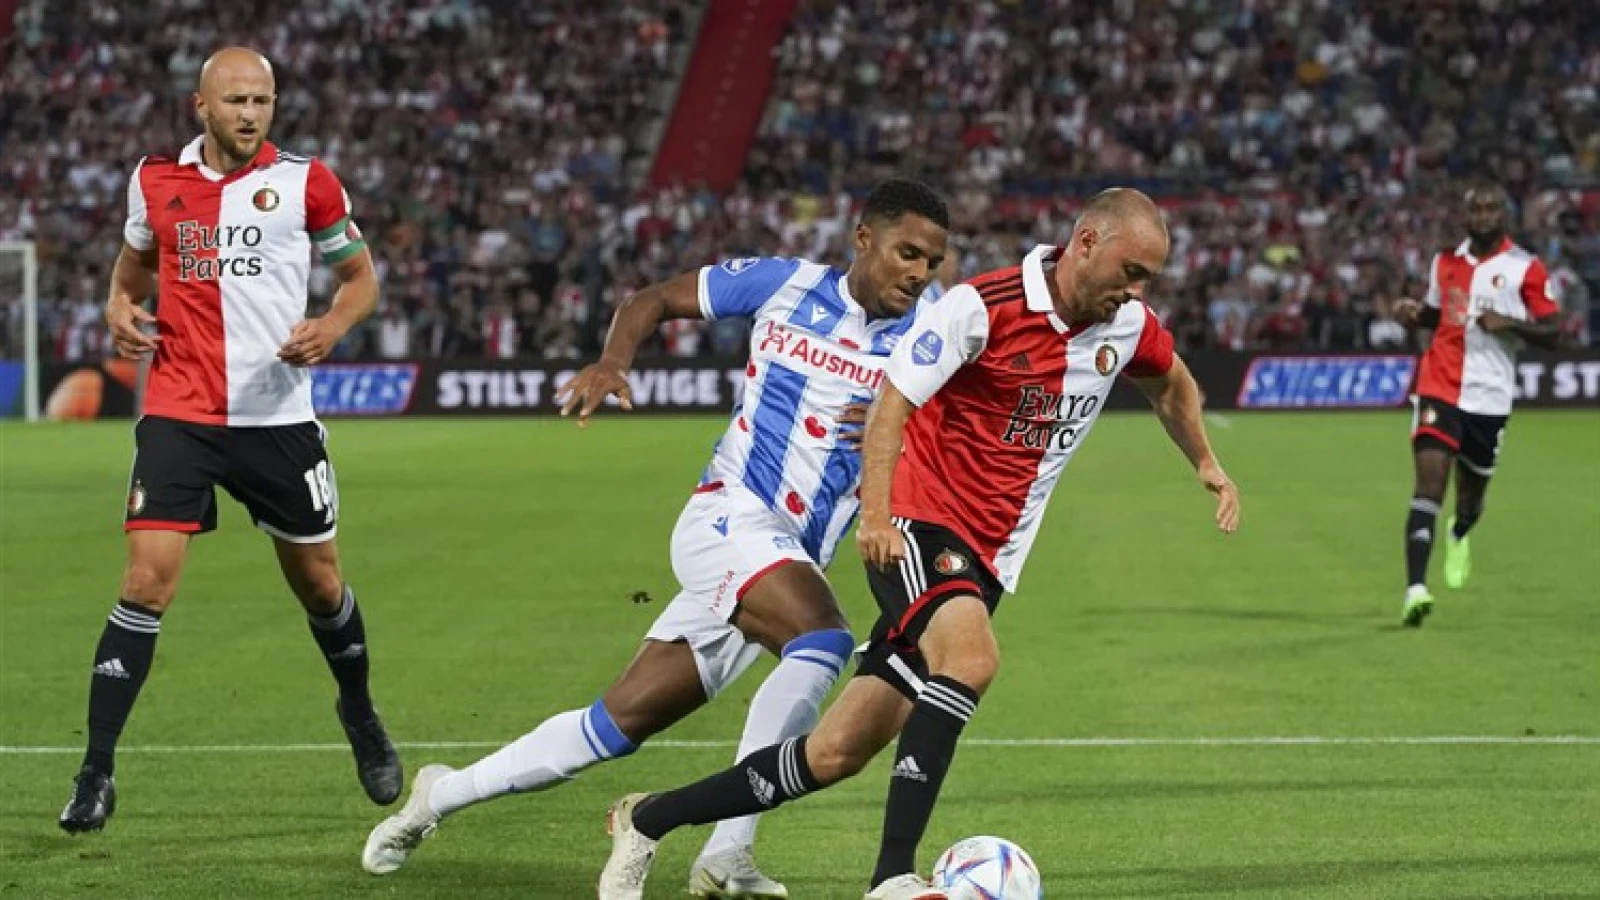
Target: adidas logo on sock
(351, 652)
(763, 788)
(112, 668)
(907, 768)
(1422, 534)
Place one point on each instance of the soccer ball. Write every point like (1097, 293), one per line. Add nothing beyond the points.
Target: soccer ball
(987, 868)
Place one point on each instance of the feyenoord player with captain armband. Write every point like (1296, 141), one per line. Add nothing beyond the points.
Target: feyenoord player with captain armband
(226, 228)
(993, 390)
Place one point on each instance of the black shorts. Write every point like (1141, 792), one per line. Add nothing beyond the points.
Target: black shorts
(280, 473)
(1473, 438)
(938, 566)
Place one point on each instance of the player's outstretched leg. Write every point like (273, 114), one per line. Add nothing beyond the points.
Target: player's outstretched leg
(121, 663)
(660, 686)
(861, 722)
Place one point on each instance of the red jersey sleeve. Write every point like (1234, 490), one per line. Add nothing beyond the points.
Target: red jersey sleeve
(1536, 294)
(328, 215)
(1153, 356)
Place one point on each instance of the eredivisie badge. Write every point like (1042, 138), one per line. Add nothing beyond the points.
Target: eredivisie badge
(265, 199)
(136, 499)
(949, 562)
(1105, 360)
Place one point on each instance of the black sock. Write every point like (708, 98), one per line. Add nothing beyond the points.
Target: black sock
(766, 778)
(927, 746)
(1419, 538)
(343, 639)
(1465, 519)
(121, 662)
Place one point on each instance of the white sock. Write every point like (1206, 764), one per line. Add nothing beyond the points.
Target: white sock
(554, 753)
(787, 705)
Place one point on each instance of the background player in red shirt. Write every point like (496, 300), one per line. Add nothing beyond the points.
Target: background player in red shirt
(1485, 299)
(229, 225)
(994, 388)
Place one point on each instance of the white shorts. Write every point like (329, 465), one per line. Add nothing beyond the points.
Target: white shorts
(724, 541)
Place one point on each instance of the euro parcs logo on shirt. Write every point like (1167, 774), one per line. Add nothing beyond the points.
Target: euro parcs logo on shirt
(926, 350)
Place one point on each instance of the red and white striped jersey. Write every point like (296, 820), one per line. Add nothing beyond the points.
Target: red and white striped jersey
(1007, 392)
(235, 255)
(1466, 366)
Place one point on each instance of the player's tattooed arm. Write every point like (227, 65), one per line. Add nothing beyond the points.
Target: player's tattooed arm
(1175, 396)
(636, 319)
(132, 283)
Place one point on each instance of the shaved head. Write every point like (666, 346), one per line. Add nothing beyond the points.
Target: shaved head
(230, 63)
(1119, 243)
(1122, 211)
(234, 101)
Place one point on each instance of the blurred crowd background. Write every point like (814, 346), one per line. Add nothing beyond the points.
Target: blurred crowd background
(1310, 153)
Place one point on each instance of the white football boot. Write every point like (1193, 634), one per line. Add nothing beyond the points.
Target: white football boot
(392, 841)
(631, 853)
(732, 875)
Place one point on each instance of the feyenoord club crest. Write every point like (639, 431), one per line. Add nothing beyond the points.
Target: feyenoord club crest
(1105, 360)
(136, 499)
(265, 199)
(1499, 281)
(1429, 415)
(949, 562)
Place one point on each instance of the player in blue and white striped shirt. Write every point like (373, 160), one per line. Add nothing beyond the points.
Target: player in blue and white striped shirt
(750, 546)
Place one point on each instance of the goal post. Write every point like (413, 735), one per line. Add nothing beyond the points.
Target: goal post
(21, 258)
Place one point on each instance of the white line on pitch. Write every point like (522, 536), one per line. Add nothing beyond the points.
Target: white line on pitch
(1263, 741)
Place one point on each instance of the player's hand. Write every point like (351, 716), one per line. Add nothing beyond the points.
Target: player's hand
(311, 341)
(854, 416)
(590, 387)
(123, 318)
(1407, 311)
(1494, 322)
(1217, 482)
(881, 544)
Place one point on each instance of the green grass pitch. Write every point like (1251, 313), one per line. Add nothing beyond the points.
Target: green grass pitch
(496, 560)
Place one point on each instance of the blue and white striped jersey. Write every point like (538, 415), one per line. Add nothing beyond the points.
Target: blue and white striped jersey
(813, 351)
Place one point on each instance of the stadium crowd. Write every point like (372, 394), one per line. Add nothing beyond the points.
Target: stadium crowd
(1308, 151)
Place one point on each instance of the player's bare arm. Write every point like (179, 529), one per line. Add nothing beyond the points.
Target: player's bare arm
(636, 319)
(1545, 332)
(312, 340)
(1176, 399)
(132, 283)
(882, 544)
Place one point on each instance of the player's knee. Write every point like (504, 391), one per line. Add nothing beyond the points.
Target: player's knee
(149, 586)
(320, 590)
(975, 668)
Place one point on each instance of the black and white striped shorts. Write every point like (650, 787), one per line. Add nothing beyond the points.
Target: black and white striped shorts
(938, 567)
